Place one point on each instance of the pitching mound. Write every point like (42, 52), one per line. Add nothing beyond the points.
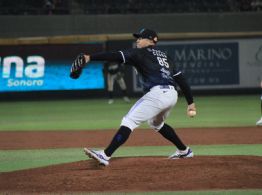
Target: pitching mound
(139, 174)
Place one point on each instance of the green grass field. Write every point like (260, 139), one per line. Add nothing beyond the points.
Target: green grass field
(39, 158)
(214, 111)
(64, 115)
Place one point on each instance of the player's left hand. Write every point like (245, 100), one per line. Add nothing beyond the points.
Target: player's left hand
(77, 66)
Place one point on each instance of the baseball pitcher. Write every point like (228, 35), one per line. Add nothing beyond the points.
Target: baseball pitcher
(159, 76)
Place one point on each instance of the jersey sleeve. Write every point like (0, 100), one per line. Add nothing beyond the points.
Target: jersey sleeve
(129, 55)
(184, 86)
(107, 56)
(123, 56)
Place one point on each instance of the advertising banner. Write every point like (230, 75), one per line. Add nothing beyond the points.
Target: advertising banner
(47, 67)
(215, 64)
(206, 63)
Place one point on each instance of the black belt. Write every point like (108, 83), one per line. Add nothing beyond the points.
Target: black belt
(164, 87)
(160, 87)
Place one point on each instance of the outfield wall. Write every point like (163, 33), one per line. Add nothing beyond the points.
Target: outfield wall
(209, 64)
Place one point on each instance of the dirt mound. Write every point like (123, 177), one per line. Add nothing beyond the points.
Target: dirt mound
(139, 174)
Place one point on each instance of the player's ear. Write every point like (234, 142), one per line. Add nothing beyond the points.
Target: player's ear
(152, 41)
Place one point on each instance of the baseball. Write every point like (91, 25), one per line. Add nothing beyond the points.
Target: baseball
(192, 113)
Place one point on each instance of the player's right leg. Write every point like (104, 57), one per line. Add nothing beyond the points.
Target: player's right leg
(169, 133)
(157, 123)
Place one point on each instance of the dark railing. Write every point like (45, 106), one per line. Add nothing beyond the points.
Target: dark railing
(34, 11)
(33, 7)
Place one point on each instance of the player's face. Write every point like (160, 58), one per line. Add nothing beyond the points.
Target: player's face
(141, 43)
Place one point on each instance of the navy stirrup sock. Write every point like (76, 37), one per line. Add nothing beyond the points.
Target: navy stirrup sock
(120, 137)
(169, 133)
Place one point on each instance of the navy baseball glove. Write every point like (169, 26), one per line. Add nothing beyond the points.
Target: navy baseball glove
(77, 66)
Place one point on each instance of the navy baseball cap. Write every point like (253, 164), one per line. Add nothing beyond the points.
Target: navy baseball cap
(146, 34)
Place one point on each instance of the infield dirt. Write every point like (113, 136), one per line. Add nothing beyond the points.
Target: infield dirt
(139, 173)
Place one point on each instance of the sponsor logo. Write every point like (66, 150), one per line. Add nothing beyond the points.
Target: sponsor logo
(208, 63)
(19, 72)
